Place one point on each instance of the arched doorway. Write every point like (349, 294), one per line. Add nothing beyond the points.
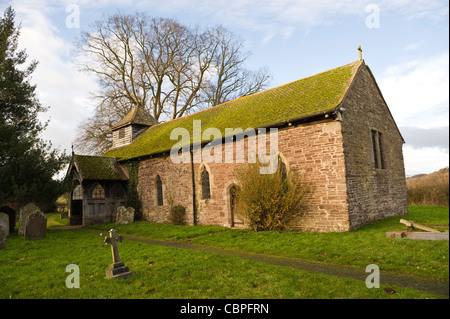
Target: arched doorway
(236, 220)
(76, 206)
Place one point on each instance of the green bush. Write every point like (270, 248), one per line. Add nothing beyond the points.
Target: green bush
(269, 201)
(177, 215)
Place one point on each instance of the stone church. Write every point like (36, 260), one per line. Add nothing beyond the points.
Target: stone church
(334, 128)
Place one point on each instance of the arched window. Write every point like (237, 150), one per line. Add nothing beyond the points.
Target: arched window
(98, 192)
(206, 192)
(159, 191)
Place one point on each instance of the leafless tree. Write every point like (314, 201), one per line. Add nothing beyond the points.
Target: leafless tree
(162, 66)
(230, 79)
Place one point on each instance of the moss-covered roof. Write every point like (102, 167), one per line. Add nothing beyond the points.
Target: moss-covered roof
(98, 168)
(303, 98)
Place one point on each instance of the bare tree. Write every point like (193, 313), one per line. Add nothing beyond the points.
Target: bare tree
(162, 66)
(230, 80)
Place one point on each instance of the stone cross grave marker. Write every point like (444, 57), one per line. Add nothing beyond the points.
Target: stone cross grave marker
(117, 269)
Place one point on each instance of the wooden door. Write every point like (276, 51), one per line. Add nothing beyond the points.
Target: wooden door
(235, 219)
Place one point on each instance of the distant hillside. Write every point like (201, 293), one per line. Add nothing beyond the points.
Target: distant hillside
(429, 189)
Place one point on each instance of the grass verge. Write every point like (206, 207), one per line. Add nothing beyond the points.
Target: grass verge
(37, 269)
(368, 245)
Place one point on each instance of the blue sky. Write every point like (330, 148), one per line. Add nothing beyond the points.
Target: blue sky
(404, 42)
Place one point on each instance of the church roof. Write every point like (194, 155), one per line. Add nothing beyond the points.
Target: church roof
(137, 116)
(97, 168)
(304, 98)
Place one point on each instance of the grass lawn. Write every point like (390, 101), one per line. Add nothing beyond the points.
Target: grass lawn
(55, 220)
(367, 245)
(36, 268)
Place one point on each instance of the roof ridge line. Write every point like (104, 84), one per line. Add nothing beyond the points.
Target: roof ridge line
(256, 93)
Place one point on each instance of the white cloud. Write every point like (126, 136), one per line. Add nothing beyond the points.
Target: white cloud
(419, 138)
(417, 161)
(416, 86)
(417, 92)
(274, 17)
(412, 46)
(59, 84)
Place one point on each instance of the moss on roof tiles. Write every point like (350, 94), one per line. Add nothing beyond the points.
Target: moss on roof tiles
(98, 168)
(302, 98)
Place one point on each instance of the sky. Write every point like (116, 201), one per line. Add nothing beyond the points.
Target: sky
(404, 42)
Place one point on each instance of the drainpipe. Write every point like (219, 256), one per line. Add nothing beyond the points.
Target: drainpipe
(194, 209)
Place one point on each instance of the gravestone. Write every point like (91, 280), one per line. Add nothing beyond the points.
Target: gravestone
(4, 220)
(12, 218)
(36, 226)
(125, 215)
(117, 269)
(24, 212)
(3, 236)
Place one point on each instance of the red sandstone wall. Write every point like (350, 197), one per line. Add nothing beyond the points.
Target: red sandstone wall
(177, 187)
(314, 150)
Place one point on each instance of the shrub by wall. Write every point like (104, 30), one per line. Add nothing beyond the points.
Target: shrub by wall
(177, 215)
(269, 201)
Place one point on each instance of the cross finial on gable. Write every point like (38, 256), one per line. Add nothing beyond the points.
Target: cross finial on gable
(360, 52)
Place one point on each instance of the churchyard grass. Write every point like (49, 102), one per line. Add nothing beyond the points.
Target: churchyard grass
(37, 268)
(54, 219)
(367, 245)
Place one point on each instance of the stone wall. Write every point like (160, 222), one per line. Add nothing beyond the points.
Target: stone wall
(176, 184)
(314, 150)
(373, 193)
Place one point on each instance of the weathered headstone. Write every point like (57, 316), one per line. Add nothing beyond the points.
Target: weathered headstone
(4, 220)
(3, 236)
(36, 226)
(125, 215)
(117, 269)
(24, 212)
